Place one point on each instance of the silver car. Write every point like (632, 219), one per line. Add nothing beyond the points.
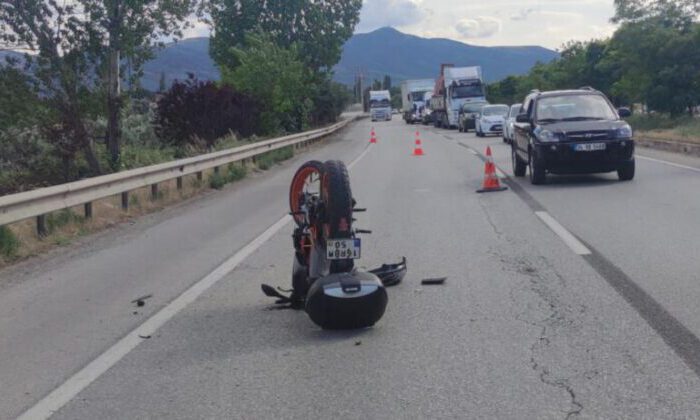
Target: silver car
(491, 120)
(510, 120)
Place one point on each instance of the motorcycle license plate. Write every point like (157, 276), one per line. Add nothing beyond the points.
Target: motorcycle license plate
(589, 147)
(343, 249)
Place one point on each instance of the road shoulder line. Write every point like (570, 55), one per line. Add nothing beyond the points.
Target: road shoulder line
(569, 239)
(665, 162)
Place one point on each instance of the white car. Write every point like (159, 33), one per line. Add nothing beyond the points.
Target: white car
(508, 126)
(491, 119)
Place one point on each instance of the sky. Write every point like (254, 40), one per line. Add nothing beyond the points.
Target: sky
(549, 23)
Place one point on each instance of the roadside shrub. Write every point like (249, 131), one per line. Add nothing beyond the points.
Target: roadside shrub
(658, 121)
(233, 173)
(195, 112)
(329, 101)
(28, 161)
(9, 244)
(267, 160)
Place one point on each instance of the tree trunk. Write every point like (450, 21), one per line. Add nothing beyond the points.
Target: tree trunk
(113, 87)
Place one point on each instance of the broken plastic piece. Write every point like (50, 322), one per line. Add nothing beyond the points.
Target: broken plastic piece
(435, 281)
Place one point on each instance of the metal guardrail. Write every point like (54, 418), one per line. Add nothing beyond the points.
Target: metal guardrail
(37, 203)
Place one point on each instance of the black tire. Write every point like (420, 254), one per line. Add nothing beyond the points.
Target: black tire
(337, 218)
(519, 167)
(626, 171)
(538, 174)
(294, 188)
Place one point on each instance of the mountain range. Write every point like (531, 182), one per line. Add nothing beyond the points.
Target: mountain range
(385, 51)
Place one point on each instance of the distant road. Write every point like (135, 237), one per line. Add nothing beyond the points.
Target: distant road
(573, 298)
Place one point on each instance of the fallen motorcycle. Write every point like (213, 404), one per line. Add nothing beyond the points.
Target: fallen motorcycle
(325, 281)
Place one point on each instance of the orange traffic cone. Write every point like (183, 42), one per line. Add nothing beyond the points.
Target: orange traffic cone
(418, 149)
(372, 137)
(491, 182)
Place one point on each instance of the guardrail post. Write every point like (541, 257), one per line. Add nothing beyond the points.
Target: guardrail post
(41, 226)
(125, 201)
(179, 183)
(154, 192)
(88, 210)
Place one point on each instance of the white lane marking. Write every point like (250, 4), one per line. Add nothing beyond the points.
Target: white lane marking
(665, 162)
(473, 152)
(357, 159)
(566, 236)
(65, 392)
(76, 383)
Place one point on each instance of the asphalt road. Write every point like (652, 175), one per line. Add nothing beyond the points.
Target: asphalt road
(524, 327)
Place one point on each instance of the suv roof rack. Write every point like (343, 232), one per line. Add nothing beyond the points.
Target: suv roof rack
(586, 88)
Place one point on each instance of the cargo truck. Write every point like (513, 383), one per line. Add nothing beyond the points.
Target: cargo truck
(455, 87)
(380, 105)
(413, 99)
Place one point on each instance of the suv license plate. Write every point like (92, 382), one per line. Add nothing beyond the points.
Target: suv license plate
(343, 249)
(589, 147)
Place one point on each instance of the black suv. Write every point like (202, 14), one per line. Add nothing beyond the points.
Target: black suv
(571, 132)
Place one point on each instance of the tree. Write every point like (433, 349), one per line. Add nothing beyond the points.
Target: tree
(317, 28)
(387, 82)
(194, 112)
(77, 51)
(677, 13)
(161, 82)
(277, 77)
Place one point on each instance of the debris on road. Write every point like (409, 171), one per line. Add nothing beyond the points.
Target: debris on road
(435, 281)
(145, 337)
(141, 300)
(358, 343)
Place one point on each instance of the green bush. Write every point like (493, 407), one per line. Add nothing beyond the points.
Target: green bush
(647, 122)
(9, 244)
(267, 160)
(234, 173)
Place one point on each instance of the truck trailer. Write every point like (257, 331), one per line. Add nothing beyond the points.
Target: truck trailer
(413, 99)
(455, 87)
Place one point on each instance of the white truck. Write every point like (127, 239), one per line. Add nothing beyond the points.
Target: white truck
(413, 99)
(380, 105)
(455, 87)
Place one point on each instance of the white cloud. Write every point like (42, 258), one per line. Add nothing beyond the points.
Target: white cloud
(523, 13)
(478, 27)
(508, 22)
(396, 13)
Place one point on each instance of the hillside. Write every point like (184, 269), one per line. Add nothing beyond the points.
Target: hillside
(384, 51)
(402, 56)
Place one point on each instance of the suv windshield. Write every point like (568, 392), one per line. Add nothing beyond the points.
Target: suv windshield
(574, 108)
(501, 110)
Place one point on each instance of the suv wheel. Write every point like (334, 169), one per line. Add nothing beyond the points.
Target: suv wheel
(626, 171)
(519, 167)
(537, 172)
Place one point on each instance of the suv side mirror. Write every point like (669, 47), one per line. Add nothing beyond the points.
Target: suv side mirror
(522, 118)
(624, 112)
